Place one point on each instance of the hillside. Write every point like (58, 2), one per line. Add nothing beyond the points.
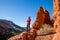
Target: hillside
(8, 29)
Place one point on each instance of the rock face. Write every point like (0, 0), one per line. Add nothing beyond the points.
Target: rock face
(42, 17)
(56, 13)
(25, 36)
(56, 18)
(57, 35)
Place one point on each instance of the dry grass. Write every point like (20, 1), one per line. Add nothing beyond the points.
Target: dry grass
(45, 29)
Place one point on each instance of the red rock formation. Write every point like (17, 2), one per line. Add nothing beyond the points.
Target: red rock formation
(57, 35)
(57, 27)
(42, 17)
(56, 18)
(47, 17)
(25, 36)
(56, 13)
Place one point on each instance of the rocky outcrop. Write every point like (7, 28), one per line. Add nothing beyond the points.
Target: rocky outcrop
(42, 17)
(25, 36)
(56, 18)
(56, 13)
(57, 35)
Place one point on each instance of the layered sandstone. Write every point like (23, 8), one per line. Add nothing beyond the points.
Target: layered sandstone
(56, 13)
(42, 17)
(56, 18)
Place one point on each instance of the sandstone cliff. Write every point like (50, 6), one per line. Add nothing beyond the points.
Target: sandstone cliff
(56, 18)
(42, 17)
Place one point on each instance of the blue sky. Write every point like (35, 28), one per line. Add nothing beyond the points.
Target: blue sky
(19, 10)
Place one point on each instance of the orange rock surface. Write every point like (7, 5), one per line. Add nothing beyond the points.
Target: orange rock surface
(42, 17)
(57, 35)
(56, 18)
(25, 36)
(56, 13)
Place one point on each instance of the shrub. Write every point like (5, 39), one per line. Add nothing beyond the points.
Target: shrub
(45, 29)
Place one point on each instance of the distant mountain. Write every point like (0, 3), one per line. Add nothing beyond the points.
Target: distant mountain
(10, 26)
(26, 28)
(8, 29)
(5, 34)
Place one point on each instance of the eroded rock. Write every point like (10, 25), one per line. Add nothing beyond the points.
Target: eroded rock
(25, 36)
(42, 17)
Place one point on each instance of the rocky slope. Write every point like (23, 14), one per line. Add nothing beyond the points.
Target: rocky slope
(5, 34)
(8, 29)
(11, 26)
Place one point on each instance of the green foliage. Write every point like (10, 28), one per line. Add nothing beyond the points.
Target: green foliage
(6, 35)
